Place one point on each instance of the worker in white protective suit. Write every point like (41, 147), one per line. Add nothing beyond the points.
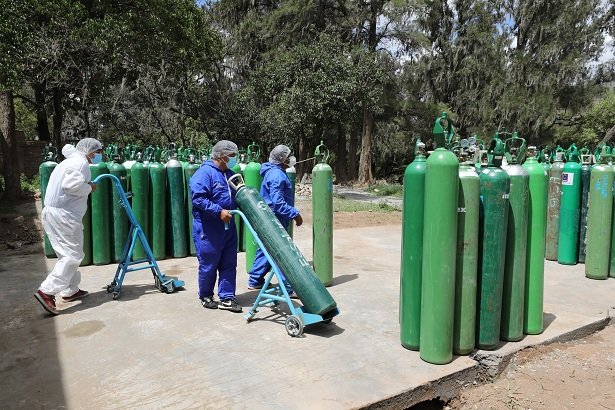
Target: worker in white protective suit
(66, 201)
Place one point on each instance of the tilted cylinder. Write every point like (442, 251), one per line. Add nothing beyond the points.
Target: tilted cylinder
(315, 297)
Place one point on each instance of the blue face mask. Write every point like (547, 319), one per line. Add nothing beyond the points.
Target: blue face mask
(97, 158)
(232, 161)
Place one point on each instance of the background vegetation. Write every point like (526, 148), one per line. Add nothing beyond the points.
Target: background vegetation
(367, 77)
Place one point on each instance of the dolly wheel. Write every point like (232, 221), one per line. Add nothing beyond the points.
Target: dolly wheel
(116, 295)
(169, 288)
(110, 287)
(294, 326)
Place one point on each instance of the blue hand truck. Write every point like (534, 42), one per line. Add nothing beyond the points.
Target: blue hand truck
(166, 284)
(276, 294)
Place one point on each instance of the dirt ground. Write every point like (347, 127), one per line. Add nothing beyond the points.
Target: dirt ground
(573, 375)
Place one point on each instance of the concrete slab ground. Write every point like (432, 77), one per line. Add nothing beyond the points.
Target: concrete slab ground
(152, 350)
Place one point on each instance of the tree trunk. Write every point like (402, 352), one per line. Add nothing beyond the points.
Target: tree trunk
(352, 153)
(341, 176)
(58, 117)
(8, 146)
(301, 168)
(42, 127)
(365, 162)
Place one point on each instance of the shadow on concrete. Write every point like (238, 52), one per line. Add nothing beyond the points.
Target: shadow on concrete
(547, 319)
(97, 298)
(338, 280)
(30, 368)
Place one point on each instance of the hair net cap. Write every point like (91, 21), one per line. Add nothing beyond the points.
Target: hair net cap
(88, 145)
(224, 148)
(279, 154)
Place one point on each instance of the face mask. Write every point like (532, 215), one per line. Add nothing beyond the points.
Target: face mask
(232, 161)
(97, 158)
(292, 161)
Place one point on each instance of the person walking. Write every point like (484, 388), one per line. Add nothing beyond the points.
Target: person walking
(277, 192)
(66, 201)
(214, 233)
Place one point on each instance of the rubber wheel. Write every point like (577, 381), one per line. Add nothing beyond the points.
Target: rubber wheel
(294, 326)
(168, 289)
(110, 288)
(116, 295)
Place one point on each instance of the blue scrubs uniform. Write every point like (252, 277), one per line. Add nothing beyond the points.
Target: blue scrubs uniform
(277, 192)
(216, 247)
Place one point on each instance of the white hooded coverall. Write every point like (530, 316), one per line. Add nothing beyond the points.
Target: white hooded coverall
(65, 204)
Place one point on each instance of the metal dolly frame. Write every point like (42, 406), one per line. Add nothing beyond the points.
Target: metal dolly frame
(275, 295)
(166, 284)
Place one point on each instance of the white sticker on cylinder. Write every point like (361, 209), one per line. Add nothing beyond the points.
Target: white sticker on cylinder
(567, 178)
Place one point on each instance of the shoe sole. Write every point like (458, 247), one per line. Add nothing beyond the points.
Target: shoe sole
(72, 299)
(234, 310)
(47, 308)
(211, 307)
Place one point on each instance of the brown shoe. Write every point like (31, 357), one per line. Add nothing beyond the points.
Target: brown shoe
(48, 302)
(80, 294)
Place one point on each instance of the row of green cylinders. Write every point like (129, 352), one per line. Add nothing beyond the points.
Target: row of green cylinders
(580, 211)
(160, 193)
(472, 272)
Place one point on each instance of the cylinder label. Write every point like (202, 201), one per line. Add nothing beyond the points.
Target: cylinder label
(567, 178)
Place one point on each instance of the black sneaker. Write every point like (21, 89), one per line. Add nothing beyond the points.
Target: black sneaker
(208, 302)
(230, 305)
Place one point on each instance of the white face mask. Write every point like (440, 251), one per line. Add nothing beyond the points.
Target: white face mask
(292, 161)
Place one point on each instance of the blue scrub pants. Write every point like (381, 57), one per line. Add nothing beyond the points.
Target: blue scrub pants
(216, 261)
(261, 266)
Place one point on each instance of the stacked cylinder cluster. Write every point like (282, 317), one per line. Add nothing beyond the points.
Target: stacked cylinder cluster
(157, 182)
(473, 245)
(580, 222)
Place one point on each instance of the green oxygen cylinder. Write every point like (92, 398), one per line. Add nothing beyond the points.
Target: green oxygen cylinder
(101, 217)
(468, 205)
(130, 154)
(139, 180)
(513, 294)
(190, 169)
(599, 218)
(612, 257)
(87, 235)
(535, 263)
(568, 242)
(253, 179)
(412, 250)
(238, 169)
(494, 191)
(291, 172)
(120, 219)
(177, 205)
(45, 170)
(312, 293)
(439, 248)
(586, 169)
(158, 202)
(554, 204)
(322, 216)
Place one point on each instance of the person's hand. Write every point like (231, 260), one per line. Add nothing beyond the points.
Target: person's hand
(93, 186)
(299, 220)
(226, 216)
